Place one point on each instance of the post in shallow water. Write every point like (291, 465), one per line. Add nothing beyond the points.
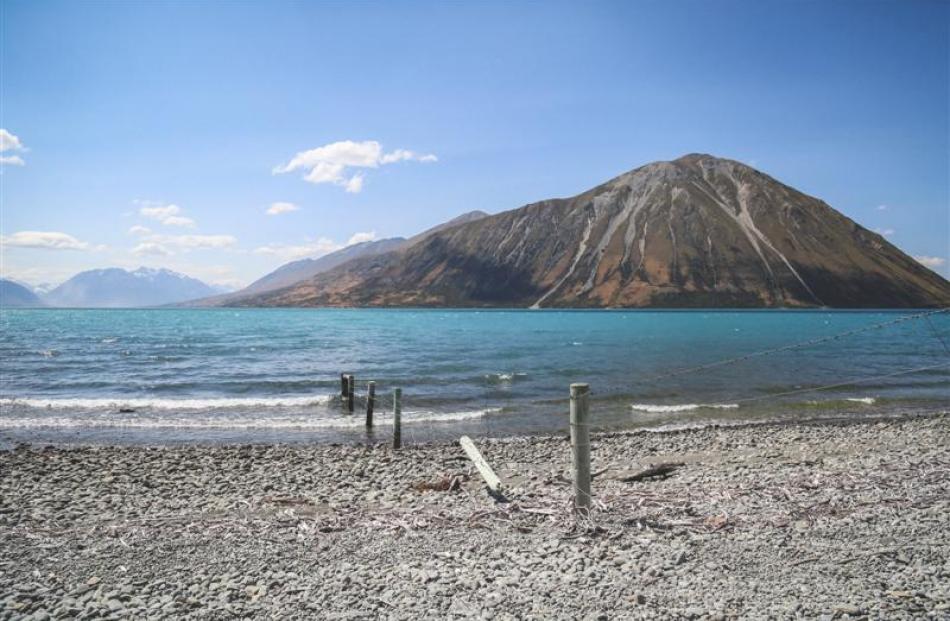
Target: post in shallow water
(370, 402)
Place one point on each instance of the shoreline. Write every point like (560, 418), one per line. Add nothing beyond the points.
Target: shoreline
(841, 519)
(351, 432)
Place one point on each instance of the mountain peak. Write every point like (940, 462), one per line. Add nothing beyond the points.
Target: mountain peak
(117, 287)
(696, 231)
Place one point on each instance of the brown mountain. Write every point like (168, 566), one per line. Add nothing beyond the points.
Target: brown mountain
(697, 231)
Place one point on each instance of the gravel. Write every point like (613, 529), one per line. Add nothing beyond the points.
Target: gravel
(829, 521)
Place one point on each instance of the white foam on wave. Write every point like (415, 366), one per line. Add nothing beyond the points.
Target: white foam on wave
(504, 377)
(864, 400)
(113, 403)
(686, 407)
(301, 423)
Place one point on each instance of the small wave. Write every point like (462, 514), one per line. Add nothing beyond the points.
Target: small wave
(836, 403)
(48, 353)
(504, 378)
(296, 422)
(686, 407)
(110, 339)
(166, 404)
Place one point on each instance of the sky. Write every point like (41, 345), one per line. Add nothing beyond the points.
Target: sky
(222, 139)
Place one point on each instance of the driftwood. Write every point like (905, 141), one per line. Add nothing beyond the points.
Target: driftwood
(657, 471)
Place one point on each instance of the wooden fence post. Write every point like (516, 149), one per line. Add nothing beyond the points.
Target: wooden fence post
(344, 387)
(370, 402)
(351, 388)
(397, 418)
(580, 446)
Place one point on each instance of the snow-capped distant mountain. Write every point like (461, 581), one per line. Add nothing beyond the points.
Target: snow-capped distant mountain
(118, 288)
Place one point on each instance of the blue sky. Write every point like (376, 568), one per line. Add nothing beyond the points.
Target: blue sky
(177, 117)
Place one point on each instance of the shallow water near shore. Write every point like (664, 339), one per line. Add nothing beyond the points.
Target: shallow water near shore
(272, 375)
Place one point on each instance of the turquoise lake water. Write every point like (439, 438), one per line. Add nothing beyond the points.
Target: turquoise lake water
(266, 375)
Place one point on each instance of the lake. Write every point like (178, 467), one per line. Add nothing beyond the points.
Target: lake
(273, 375)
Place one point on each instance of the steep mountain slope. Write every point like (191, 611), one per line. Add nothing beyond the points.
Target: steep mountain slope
(15, 295)
(470, 216)
(697, 231)
(118, 288)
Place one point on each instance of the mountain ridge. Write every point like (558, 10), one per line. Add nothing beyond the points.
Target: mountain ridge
(115, 287)
(17, 295)
(299, 270)
(692, 232)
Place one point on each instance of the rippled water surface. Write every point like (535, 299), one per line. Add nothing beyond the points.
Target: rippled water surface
(273, 375)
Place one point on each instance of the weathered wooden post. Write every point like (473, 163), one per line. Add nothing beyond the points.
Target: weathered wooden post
(397, 418)
(344, 386)
(491, 479)
(580, 446)
(351, 388)
(370, 402)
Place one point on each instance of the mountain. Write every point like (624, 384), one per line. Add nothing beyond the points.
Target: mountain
(296, 271)
(15, 295)
(303, 269)
(698, 231)
(118, 288)
(465, 218)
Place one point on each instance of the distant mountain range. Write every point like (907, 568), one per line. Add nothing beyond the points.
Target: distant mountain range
(15, 295)
(118, 288)
(298, 271)
(699, 231)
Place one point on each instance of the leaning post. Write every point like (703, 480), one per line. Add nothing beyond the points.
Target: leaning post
(397, 418)
(580, 446)
(370, 402)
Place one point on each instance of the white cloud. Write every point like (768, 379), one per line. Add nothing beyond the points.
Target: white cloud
(404, 155)
(316, 248)
(885, 232)
(9, 142)
(882, 208)
(359, 238)
(139, 230)
(169, 215)
(194, 242)
(151, 248)
(931, 262)
(178, 221)
(280, 207)
(166, 245)
(331, 162)
(354, 184)
(50, 240)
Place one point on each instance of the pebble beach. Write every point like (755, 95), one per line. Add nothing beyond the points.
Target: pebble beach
(823, 520)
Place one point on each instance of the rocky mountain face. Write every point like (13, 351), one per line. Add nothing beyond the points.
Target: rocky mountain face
(119, 288)
(699, 231)
(15, 295)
